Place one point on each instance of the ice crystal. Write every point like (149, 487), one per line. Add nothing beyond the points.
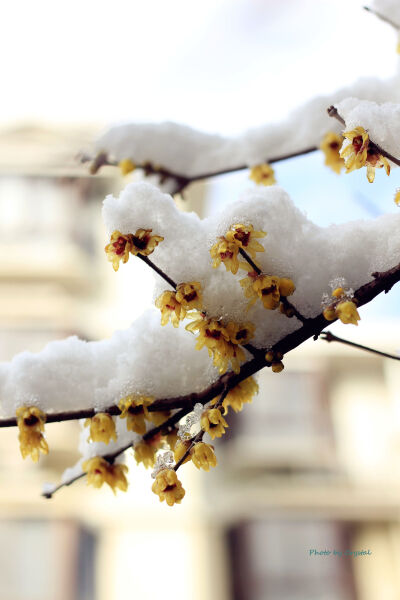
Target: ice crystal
(192, 419)
(163, 461)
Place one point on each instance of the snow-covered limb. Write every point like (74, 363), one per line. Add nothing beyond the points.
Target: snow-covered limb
(381, 282)
(191, 155)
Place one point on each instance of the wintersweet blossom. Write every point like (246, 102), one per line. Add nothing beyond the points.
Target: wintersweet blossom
(145, 453)
(227, 253)
(121, 245)
(342, 306)
(330, 145)
(246, 238)
(168, 487)
(134, 410)
(189, 296)
(100, 471)
(242, 393)
(126, 166)
(357, 152)
(203, 456)
(222, 342)
(275, 358)
(213, 423)
(180, 449)
(263, 174)
(397, 197)
(30, 421)
(102, 428)
(170, 308)
(267, 288)
(118, 249)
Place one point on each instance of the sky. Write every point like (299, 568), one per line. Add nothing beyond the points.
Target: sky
(219, 66)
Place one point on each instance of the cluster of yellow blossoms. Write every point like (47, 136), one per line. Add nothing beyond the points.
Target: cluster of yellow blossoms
(168, 487)
(175, 305)
(263, 174)
(30, 421)
(268, 288)
(359, 152)
(222, 341)
(343, 307)
(227, 248)
(121, 245)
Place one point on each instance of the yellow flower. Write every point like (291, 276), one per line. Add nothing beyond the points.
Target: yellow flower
(266, 287)
(263, 174)
(170, 308)
(30, 421)
(118, 249)
(222, 342)
(189, 295)
(203, 456)
(245, 237)
(144, 243)
(397, 197)
(168, 487)
(175, 305)
(358, 152)
(330, 145)
(347, 312)
(172, 438)
(102, 428)
(213, 423)
(277, 366)
(134, 410)
(100, 471)
(242, 393)
(226, 252)
(180, 449)
(145, 452)
(126, 166)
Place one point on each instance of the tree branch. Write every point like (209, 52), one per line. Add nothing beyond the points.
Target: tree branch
(381, 17)
(330, 337)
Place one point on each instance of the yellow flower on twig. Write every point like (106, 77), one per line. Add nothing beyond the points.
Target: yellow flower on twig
(203, 456)
(102, 428)
(100, 471)
(121, 245)
(145, 452)
(189, 295)
(330, 145)
(246, 238)
(242, 393)
(227, 253)
(358, 152)
(263, 174)
(168, 487)
(213, 423)
(30, 421)
(222, 342)
(175, 305)
(343, 306)
(181, 447)
(267, 288)
(134, 410)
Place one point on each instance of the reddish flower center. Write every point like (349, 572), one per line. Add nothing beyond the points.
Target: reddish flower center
(242, 237)
(358, 144)
(268, 290)
(225, 255)
(191, 296)
(31, 420)
(241, 334)
(119, 245)
(141, 243)
(215, 334)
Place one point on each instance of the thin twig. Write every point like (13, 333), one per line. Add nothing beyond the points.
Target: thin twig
(289, 306)
(150, 263)
(373, 146)
(250, 261)
(381, 17)
(330, 337)
(182, 180)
